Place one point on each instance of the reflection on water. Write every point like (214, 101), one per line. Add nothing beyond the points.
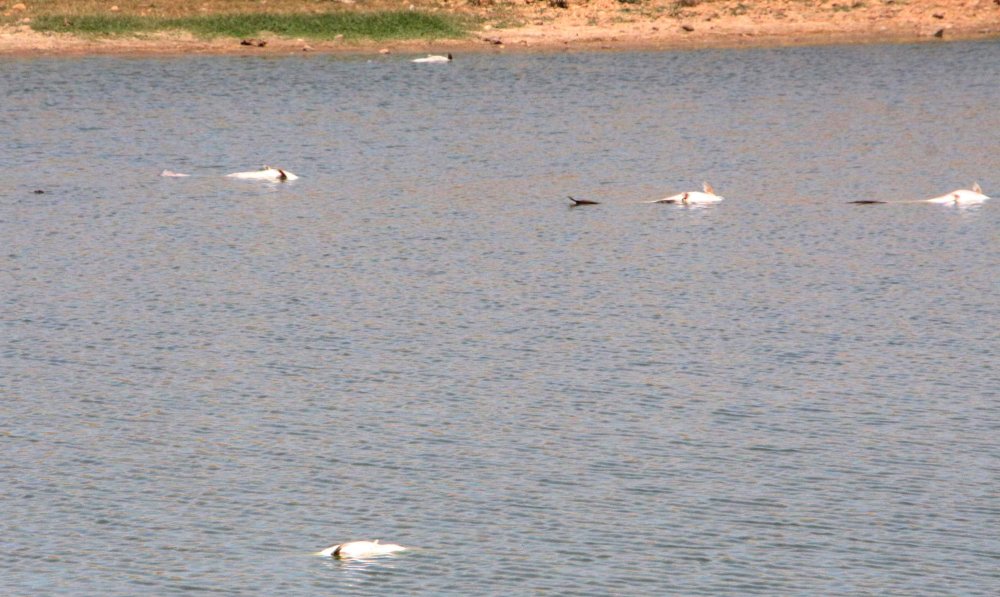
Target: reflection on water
(360, 565)
(205, 380)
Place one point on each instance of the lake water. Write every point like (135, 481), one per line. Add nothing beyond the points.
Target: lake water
(204, 380)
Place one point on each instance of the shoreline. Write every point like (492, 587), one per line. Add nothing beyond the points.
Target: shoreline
(59, 45)
(589, 25)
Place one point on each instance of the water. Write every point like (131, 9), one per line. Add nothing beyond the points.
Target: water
(204, 380)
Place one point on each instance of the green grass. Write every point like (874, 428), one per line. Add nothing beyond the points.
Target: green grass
(375, 25)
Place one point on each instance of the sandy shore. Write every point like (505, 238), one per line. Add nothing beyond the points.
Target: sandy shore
(539, 25)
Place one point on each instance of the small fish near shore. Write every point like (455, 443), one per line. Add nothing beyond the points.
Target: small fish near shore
(434, 59)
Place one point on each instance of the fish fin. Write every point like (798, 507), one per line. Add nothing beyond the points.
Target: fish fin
(976, 188)
(707, 188)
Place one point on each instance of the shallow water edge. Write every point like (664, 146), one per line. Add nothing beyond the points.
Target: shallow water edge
(25, 43)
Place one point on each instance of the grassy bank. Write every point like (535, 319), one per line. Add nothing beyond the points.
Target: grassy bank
(311, 19)
(179, 26)
(376, 25)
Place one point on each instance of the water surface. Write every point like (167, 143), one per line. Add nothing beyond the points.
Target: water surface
(204, 379)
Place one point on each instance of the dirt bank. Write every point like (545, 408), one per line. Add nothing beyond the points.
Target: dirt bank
(543, 25)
